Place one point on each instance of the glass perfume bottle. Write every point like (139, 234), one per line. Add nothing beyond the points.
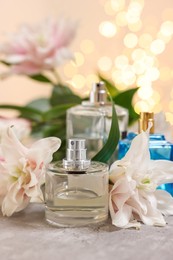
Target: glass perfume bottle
(92, 119)
(76, 189)
(159, 147)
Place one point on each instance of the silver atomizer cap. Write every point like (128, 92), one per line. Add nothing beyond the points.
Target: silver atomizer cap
(76, 159)
(98, 93)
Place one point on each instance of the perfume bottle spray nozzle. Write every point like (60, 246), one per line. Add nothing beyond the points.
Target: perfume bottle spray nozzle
(98, 93)
(76, 159)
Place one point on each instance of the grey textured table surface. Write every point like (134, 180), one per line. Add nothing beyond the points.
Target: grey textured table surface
(26, 236)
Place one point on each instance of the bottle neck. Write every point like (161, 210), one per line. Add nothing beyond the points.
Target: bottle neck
(145, 122)
(95, 104)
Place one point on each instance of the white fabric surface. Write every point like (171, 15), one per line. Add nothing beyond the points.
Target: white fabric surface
(26, 236)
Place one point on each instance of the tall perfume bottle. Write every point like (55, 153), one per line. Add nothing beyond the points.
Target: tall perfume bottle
(92, 119)
(159, 147)
(76, 189)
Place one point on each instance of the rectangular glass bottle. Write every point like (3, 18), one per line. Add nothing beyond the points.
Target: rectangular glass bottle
(76, 190)
(159, 147)
(92, 119)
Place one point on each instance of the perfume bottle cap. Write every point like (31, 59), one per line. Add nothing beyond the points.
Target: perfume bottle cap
(144, 120)
(76, 159)
(98, 93)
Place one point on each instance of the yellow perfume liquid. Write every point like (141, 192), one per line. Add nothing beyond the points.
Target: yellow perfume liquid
(76, 189)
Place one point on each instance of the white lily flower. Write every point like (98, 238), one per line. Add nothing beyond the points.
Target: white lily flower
(22, 170)
(134, 196)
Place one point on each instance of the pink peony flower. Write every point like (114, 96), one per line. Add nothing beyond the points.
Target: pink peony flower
(44, 47)
(134, 197)
(22, 170)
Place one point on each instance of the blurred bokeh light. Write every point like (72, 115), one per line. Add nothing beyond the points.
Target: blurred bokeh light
(127, 41)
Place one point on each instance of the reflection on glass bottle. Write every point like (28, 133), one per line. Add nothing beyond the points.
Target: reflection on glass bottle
(76, 189)
(159, 147)
(92, 119)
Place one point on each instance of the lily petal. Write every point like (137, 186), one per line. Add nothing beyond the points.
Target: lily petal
(14, 201)
(135, 155)
(161, 171)
(165, 202)
(121, 217)
(11, 147)
(43, 149)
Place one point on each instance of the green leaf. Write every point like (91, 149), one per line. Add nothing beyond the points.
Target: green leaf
(41, 104)
(62, 89)
(46, 129)
(41, 78)
(37, 77)
(63, 95)
(110, 86)
(109, 148)
(56, 111)
(26, 112)
(54, 130)
(125, 99)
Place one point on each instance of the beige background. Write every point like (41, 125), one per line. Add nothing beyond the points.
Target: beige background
(13, 13)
